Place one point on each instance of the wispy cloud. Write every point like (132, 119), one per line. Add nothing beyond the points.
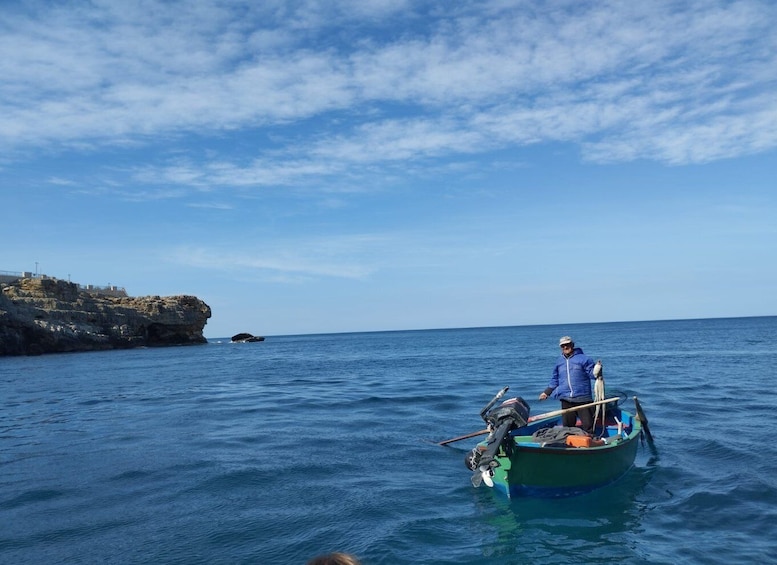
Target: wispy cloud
(675, 82)
(346, 257)
(61, 182)
(212, 205)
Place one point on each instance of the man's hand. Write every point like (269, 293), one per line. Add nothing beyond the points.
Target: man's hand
(543, 396)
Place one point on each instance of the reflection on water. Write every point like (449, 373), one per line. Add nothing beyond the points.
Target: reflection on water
(575, 529)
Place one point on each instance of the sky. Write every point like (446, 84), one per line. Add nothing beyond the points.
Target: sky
(321, 166)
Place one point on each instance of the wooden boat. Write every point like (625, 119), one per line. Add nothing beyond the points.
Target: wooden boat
(538, 457)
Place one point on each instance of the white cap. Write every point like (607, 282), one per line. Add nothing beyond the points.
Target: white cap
(564, 340)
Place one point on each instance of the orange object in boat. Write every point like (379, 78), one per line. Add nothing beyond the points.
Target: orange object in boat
(583, 441)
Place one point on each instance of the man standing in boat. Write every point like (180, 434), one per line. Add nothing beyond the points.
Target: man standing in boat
(571, 383)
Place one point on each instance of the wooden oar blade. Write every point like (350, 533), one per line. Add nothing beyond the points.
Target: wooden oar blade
(643, 420)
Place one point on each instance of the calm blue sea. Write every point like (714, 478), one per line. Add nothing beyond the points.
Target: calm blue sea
(275, 452)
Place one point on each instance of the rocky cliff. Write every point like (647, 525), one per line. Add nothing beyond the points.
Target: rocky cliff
(50, 316)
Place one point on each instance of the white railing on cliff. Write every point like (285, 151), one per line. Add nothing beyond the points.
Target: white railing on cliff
(109, 290)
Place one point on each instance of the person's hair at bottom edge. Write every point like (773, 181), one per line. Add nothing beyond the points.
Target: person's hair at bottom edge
(336, 558)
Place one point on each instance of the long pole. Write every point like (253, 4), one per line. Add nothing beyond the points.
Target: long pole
(467, 436)
(534, 419)
(573, 409)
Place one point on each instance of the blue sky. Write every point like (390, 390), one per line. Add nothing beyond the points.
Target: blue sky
(355, 165)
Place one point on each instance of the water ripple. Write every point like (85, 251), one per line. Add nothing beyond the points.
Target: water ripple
(308, 444)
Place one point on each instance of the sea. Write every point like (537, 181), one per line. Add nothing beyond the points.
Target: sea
(279, 451)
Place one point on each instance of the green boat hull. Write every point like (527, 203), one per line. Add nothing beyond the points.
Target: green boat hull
(531, 469)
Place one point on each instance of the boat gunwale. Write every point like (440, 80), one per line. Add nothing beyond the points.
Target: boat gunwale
(636, 430)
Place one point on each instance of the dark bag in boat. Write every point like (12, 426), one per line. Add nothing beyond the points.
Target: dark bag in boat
(556, 435)
(514, 409)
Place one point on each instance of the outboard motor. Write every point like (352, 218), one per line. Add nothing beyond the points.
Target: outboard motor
(516, 410)
(511, 414)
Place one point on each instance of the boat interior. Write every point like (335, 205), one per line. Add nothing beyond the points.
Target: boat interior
(617, 426)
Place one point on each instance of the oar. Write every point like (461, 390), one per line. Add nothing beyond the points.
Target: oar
(533, 419)
(573, 409)
(473, 434)
(643, 420)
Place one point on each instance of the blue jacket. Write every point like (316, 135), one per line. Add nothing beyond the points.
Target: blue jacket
(572, 377)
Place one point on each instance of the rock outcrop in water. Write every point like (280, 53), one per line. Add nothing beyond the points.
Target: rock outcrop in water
(246, 338)
(39, 315)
